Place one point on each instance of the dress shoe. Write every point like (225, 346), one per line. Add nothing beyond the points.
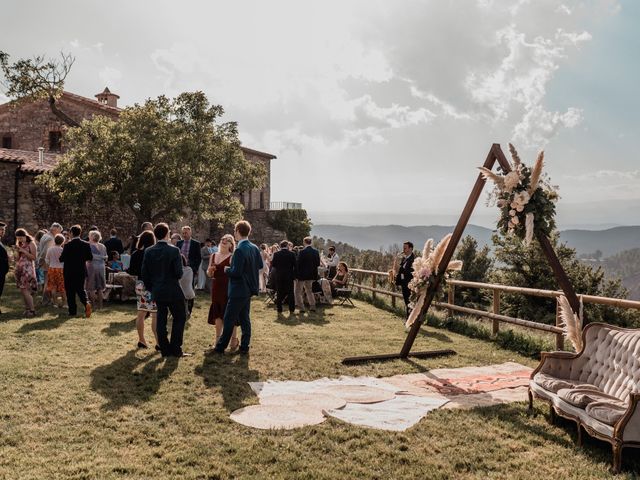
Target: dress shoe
(142, 345)
(157, 348)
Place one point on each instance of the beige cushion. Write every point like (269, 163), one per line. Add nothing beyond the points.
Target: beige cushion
(552, 384)
(606, 412)
(583, 396)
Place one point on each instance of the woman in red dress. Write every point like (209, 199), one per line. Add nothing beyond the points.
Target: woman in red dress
(219, 285)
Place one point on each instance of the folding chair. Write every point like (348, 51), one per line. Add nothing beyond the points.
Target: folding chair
(343, 295)
(270, 297)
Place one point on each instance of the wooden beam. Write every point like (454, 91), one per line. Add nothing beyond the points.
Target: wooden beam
(396, 356)
(453, 243)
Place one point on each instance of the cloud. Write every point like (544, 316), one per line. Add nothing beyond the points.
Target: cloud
(110, 77)
(607, 175)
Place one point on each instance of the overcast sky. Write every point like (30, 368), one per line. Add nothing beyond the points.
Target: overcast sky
(380, 111)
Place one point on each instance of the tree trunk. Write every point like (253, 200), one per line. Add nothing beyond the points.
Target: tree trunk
(60, 114)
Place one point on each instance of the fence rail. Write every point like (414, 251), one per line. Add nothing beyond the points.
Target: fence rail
(494, 314)
(285, 206)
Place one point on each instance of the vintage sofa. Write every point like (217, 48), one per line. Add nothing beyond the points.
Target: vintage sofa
(598, 388)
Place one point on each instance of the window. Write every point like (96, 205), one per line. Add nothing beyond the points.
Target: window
(55, 141)
(6, 141)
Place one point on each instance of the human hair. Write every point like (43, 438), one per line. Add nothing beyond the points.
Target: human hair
(263, 246)
(176, 235)
(284, 244)
(93, 228)
(243, 228)
(95, 236)
(75, 230)
(409, 244)
(55, 225)
(161, 230)
(58, 239)
(21, 232)
(113, 232)
(307, 240)
(231, 240)
(39, 235)
(186, 227)
(148, 226)
(344, 264)
(332, 248)
(113, 254)
(145, 240)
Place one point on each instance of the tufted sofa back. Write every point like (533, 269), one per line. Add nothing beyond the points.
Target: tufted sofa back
(610, 361)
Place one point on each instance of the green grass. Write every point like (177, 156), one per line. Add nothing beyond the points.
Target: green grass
(79, 402)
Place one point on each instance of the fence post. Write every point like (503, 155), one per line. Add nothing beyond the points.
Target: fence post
(359, 276)
(373, 285)
(451, 298)
(496, 310)
(559, 336)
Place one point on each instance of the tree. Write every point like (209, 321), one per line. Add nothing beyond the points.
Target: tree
(528, 267)
(38, 78)
(162, 160)
(294, 223)
(476, 266)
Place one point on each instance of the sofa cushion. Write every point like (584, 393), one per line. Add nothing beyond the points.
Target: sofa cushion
(584, 395)
(552, 384)
(606, 412)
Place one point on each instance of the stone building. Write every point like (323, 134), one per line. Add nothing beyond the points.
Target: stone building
(32, 140)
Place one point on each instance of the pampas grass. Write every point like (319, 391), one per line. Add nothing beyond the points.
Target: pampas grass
(529, 218)
(571, 323)
(514, 156)
(489, 175)
(438, 252)
(536, 173)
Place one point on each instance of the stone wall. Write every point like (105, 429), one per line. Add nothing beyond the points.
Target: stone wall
(29, 123)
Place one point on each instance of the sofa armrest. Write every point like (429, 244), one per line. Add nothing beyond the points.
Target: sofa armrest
(628, 427)
(551, 362)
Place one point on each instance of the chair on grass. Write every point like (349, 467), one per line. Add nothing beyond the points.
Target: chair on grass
(343, 295)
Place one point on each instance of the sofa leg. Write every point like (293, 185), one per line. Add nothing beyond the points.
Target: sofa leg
(530, 400)
(579, 437)
(617, 456)
(552, 415)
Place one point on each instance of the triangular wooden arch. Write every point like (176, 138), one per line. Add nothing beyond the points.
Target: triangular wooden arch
(495, 154)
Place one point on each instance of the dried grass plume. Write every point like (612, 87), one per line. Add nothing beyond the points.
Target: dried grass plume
(536, 173)
(571, 323)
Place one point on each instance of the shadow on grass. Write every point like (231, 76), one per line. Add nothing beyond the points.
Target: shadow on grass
(46, 324)
(431, 333)
(297, 318)
(231, 375)
(118, 328)
(121, 383)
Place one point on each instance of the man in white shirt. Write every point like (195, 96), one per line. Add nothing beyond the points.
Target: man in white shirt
(332, 262)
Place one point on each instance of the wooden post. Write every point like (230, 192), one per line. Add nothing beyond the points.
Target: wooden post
(559, 336)
(359, 282)
(452, 297)
(393, 301)
(373, 284)
(496, 310)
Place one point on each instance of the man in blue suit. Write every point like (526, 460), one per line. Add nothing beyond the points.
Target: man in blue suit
(160, 273)
(243, 284)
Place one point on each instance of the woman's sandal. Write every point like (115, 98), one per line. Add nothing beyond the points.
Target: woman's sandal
(234, 345)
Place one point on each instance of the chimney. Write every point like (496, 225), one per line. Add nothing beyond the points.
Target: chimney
(40, 155)
(107, 98)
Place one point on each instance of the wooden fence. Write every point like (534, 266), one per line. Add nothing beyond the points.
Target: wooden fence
(494, 314)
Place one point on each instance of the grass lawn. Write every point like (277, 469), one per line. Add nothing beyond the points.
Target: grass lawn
(80, 402)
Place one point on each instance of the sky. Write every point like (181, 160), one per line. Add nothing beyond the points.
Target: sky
(380, 111)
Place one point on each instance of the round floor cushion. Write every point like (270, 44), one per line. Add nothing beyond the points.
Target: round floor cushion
(359, 393)
(320, 401)
(284, 417)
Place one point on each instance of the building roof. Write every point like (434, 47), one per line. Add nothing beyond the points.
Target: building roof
(28, 160)
(258, 153)
(78, 99)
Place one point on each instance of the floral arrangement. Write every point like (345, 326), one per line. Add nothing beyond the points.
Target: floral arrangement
(525, 197)
(425, 269)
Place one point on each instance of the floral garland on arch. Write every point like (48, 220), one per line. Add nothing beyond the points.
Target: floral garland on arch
(425, 269)
(525, 197)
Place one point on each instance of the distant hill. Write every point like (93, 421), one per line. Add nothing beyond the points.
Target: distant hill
(609, 241)
(378, 237)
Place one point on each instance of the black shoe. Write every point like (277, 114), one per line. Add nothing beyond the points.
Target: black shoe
(142, 345)
(157, 348)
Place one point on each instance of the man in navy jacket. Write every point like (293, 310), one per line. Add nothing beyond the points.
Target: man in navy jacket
(161, 271)
(243, 284)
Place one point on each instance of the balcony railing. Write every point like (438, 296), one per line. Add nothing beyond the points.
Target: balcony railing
(285, 206)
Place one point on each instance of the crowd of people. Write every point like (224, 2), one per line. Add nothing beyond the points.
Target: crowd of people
(60, 266)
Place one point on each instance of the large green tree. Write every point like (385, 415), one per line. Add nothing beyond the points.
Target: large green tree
(476, 267)
(162, 160)
(523, 266)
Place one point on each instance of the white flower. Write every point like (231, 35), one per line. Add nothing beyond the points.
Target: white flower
(512, 212)
(515, 220)
(511, 181)
(522, 198)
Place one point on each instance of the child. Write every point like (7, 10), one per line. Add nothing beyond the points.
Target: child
(55, 279)
(186, 284)
(115, 265)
